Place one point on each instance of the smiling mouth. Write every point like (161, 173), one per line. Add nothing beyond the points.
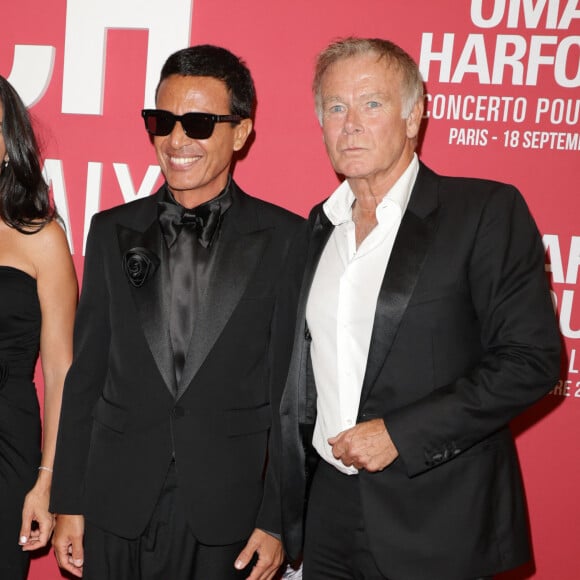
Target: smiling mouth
(183, 160)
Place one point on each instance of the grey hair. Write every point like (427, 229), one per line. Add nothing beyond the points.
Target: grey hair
(412, 85)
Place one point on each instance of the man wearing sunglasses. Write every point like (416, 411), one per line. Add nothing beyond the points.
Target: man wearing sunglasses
(166, 412)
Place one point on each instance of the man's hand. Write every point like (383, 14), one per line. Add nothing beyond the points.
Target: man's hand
(367, 446)
(270, 555)
(68, 543)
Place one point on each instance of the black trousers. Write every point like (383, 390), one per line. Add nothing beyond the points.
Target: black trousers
(166, 550)
(336, 544)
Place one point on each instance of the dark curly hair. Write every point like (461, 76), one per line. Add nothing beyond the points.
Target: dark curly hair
(24, 201)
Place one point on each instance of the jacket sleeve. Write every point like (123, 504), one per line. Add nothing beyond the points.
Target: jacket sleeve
(280, 350)
(84, 381)
(519, 338)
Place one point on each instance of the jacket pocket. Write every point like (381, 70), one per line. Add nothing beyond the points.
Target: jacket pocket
(247, 421)
(110, 415)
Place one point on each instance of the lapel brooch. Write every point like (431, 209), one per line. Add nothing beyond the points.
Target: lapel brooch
(139, 264)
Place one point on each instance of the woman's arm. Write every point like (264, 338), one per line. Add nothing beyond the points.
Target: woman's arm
(57, 292)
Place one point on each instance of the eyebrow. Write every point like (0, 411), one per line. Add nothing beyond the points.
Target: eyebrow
(371, 95)
(331, 99)
(336, 98)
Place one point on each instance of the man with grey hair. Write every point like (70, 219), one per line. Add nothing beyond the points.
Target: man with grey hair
(424, 327)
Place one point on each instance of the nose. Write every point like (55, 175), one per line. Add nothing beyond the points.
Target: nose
(178, 136)
(352, 123)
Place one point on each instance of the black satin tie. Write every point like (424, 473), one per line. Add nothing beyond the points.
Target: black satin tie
(203, 221)
(182, 260)
(189, 234)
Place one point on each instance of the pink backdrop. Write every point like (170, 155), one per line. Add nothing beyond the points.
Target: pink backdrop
(503, 79)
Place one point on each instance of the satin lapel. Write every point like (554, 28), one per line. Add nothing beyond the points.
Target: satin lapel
(321, 232)
(240, 247)
(152, 298)
(417, 229)
(293, 403)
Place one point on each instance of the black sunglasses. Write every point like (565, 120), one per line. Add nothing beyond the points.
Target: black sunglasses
(196, 125)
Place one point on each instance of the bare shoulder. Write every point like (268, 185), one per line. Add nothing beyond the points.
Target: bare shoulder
(35, 252)
(50, 239)
(51, 234)
(48, 248)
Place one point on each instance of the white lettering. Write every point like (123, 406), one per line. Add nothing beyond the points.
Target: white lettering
(86, 31)
(31, 71)
(572, 361)
(570, 12)
(573, 261)
(93, 196)
(560, 110)
(551, 140)
(126, 183)
(54, 176)
(477, 13)
(503, 59)
(478, 108)
(428, 55)
(562, 60)
(533, 13)
(474, 46)
(536, 58)
(520, 53)
(566, 315)
(554, 264)
(533, 10)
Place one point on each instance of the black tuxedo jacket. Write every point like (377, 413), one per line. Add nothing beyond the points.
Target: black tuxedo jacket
(121, 424)
(464, 339)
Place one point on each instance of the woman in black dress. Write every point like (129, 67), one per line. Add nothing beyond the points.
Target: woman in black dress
(38, 293)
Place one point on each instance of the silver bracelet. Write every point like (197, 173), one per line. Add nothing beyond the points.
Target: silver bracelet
(43, 468)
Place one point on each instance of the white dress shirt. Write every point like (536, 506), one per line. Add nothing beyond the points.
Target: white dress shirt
(341, 307)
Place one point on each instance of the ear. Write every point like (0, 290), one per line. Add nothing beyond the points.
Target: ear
(242, 132)
(413, 121)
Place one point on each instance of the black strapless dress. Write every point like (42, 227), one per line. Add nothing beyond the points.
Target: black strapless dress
(20, 429)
